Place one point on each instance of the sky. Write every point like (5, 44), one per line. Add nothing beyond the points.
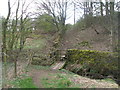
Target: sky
(4, 6)
(4, 9)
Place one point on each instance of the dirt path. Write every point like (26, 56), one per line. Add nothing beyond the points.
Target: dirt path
(37, 75)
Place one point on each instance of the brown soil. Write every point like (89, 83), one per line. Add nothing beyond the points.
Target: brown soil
(99, 41)
(37, 75)
(84, 82)
(92, 83)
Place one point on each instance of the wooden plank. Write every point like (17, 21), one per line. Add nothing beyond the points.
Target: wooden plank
(58, 65)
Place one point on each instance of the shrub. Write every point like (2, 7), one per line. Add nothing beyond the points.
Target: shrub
(92, 61)
(84, 43)
(41, 60)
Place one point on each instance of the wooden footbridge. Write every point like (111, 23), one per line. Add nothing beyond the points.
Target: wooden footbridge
(61, 62)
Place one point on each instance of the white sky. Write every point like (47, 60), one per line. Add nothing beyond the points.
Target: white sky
(4, 8)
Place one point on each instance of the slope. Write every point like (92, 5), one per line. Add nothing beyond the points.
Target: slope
(87, 39)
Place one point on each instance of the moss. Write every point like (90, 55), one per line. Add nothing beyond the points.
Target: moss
(84, 43)
(96, 61)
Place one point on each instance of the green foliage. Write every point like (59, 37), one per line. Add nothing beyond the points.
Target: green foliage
(60, 81)
(41, 60)
(66, 71)
(84, 23)
(104, 21)
(38, 43)
(23, 83)
(96, 61)
(84, 43)
(108, 80)
(80, 24)
(69, 26)
(45, 23)
(16, 34)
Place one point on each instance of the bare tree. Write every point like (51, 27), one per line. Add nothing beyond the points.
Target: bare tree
(107, 11)
(112, 7)
(58, 10)
(15, 31)
(4, 48)
(91, 8)
(101, 7)
(113, 40)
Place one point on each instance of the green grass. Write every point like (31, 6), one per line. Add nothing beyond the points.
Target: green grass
(66, 71)
(60, 81)
(36, 43)
(38, 67)
(23, 83)
(109, 80)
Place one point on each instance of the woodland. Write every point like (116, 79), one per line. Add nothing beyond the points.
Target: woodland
(43, 49)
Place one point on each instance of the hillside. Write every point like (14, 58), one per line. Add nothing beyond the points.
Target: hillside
(87, 39)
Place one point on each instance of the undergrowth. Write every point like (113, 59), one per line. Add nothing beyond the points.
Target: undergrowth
(59, 81)
(25, 82)
(36, 43)
(108, 80)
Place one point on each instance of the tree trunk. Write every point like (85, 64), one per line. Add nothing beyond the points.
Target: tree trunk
(85, 9)
(111, 8)
(101, 7)
(15, 67)
(91, 8)
(4, 48)
(107, 12)
(118, 45)
(113, 40)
